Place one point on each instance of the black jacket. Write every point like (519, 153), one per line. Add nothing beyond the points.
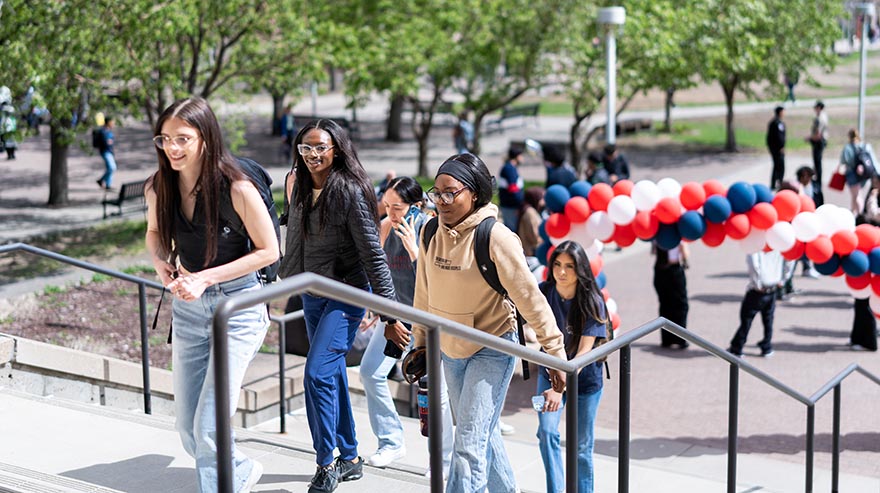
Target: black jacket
(776, 135)
(347, 249)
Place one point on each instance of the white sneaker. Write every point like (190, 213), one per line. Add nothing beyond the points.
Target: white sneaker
(812, 273)
(857, 347)
(506, 429)
(253, 477)
(445, 473)
(386, 455)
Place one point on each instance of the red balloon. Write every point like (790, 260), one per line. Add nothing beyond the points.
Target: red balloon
(645, 225)
(550, 254)
(869, 236)
(623, 187)
(692, 196)
(714, 187)
(557, 225)
(860, 282)
(795, 252)
(596, 264)
(605, 294)
(844, 242)
(875, 284)
(787, 204)
(600, 195)
(807, 204)
(615, 321)
(668, 210)
(737, 226)
(838, 272)
(577, 209)
(762, 215)
(624, 235)
(714, 234)
(820, 250)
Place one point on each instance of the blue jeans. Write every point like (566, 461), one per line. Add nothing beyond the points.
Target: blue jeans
(383, 415)
(331, 327)
(194, 397)
(510, 215)
(548, 440)
(477, 388)
(109, 167)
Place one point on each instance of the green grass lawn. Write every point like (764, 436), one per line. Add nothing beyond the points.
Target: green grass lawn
(715, 135)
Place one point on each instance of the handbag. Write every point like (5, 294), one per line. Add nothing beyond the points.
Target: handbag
(838, 180)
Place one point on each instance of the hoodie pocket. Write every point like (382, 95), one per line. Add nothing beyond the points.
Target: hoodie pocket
(462, 318)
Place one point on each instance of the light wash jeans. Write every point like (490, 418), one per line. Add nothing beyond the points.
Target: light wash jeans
(193, 374)
(384, 420)
(477, 388)
(549, 436)
(109, 168)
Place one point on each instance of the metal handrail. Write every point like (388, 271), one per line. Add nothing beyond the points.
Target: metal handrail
(321, 286)
(142, 301)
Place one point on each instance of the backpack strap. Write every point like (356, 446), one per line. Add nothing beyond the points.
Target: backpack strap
(430, 229)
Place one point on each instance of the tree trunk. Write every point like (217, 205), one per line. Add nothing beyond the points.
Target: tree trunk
(395, 117)
(277, 110)
(667, 115)
(478, 124)
(573, 148)
(58, 166)
(729, 87)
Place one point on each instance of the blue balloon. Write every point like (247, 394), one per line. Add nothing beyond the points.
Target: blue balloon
(717, 209)
(855, 264)
(667, 236)
(601, 280)
(541, 252)
(762, 193)
(741, 196)
(874, 260)
(829, 267)
(691, 225)
(580, 188)
(556, 197)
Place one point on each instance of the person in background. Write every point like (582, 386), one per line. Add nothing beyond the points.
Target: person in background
(670, 283)
(530, 219)
(463, 134)
(809, 187)
(390, 174)
(776, 145)
(201, 265)
(107, 153)
(287, 126)
(596, 172)
(766, 276)
(857, 174)
(579, 307)
(615, 163)
(818, 138)
(8, 128)
(559, 172)
(333, 231)
(510, 189)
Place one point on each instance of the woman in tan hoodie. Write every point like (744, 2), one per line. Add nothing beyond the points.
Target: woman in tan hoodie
(449, 284)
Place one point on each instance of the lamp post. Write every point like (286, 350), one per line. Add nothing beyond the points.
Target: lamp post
(867, 12)
(610, 18)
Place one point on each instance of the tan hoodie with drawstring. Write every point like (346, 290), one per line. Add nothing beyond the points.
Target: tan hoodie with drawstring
(449, 284)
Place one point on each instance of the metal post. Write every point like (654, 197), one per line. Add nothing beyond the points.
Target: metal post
(571, 432)
(221, 401)
(811, 424)
(435, 413)
(282, 405)
(145, 347)
(732, 427)
(610, 18)
(623, 426)
(314, 94)
(835, 441)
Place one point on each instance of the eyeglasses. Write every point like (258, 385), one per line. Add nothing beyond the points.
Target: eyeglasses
(446, 197)
(305, 149)
(164, 142)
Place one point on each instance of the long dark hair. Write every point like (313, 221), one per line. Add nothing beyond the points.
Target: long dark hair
(408, 188)
(587, 295)
(219, 169)
(347, 175)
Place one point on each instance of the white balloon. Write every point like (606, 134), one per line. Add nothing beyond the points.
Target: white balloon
(645, 195)
(622, 210)
(580, 234)
(845, 219)
(669, 187)
(781, 236)
(861, 294)
(595, 249)
(612, 305)
(556, 241)
(754, 242)
(600, 226)
(806, 226)
(828, 219)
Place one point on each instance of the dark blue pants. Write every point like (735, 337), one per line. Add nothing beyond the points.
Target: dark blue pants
(778, 173)
(754, 302)
(331, 326)
(817, 147)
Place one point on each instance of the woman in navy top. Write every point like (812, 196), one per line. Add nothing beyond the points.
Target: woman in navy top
(579, 308)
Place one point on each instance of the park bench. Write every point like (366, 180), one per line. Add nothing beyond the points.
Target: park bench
(510, 112)
(130, 192)
(633, 125)
(345, 123)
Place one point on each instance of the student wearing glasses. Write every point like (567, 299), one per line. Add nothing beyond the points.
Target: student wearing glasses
(333, 230)
(477, 376)
(201, 260)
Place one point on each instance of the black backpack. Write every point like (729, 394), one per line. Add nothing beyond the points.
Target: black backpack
(482, 236)
(98, 138)
(261, 179)
(863, 158)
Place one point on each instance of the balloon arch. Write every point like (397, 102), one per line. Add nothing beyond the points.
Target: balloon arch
(750, 214)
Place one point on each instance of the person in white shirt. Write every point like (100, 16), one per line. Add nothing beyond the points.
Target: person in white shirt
(766, 277)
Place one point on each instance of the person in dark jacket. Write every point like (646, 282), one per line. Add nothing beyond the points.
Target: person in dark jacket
(776, 144)
(333, 230)
(615, 163)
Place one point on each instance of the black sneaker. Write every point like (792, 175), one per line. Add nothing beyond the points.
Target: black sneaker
(325, 479)
(766, 353)
(349, 470)
(735, 353)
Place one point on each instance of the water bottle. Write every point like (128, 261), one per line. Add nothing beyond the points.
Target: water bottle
(423, 405)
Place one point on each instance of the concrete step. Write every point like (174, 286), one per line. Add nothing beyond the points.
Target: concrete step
(14, 479)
